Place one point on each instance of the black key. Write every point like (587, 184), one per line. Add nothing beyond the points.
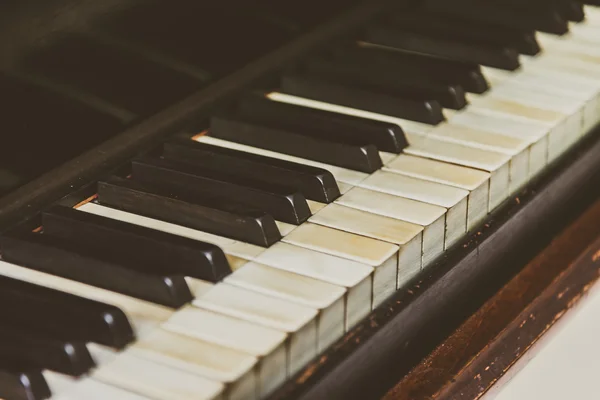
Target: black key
(429, 112)
(330, 125)
(360, 156)
(466, 31)
(315, 183)
(22, 382)
(493, 56)
(569, 9)
(218, 215)
(282, 202)
(383, 79)
(62, 315)
(23, 346)
(47, 254)
(522, 15)
(453, 72)
(134, 244)
(573, 11)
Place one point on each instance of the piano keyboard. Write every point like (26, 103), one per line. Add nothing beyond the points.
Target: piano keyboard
(218, 268)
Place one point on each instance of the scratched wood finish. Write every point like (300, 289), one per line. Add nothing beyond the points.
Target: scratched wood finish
(376, 354)
(478, 353)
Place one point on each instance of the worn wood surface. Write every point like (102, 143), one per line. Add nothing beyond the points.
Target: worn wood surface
(481, 351)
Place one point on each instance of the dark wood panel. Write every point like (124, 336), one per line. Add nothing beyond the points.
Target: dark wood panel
(482, 349)
(379, 351)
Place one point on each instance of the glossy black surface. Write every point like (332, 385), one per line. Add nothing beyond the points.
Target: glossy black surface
(270, 135)
(214, 215)
(394, 36)
(316, 88)
(323, 124)
(453, 72)
(385, 80)
(466, 30)
(22, 383)
(62, 315)
(315, 183)
(48, 254)
(20, 345)
(282, 202)
(132, 244)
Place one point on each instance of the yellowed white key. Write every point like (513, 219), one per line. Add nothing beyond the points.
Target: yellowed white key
(68, 388)
(356, 277)
(477, 182)
(143, 316)
(496, 164)
(229, 246)
(156, 381)
(298, 322)
(295, 288)
(431, 217)
(265, 344)
(381, 256)
(341, 174)
(195, 356)
(451, 198)
(409, 237)
(519, 162)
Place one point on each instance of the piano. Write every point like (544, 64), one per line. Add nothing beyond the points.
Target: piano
(258, 200)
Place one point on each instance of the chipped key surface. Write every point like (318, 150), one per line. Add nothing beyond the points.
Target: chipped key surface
(367, 224)
(256, 307)
(414, 188)
(221, 329)
(329, 268)
(414, 211)
(286, 285)
(437, 171)
(341, 243)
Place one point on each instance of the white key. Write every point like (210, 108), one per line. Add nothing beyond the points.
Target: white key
(299, 322)
(88, 389)
(143, 316)
(195, 356)
(341, 174)
(431, 217)
(354, 276)
(229, 246)
(382, 256)
(475, 181)
(409, 237)
(496, 164)
(310, 292)
(451, 198)
(268, 345)
(520, 160)
(156, 381)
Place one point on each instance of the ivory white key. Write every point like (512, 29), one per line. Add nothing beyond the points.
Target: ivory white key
(475, 181)
(315, 206)
(451, 198)
(267, 345)
(66, 388)
(229, 246)
(520, 160)
(299, 322)
(356, 277)
(409, 237)
(382, 256)
(310, 292)
(195, 356)
(143, 316)
(341, 174)
(431, 217)
(156, 381)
